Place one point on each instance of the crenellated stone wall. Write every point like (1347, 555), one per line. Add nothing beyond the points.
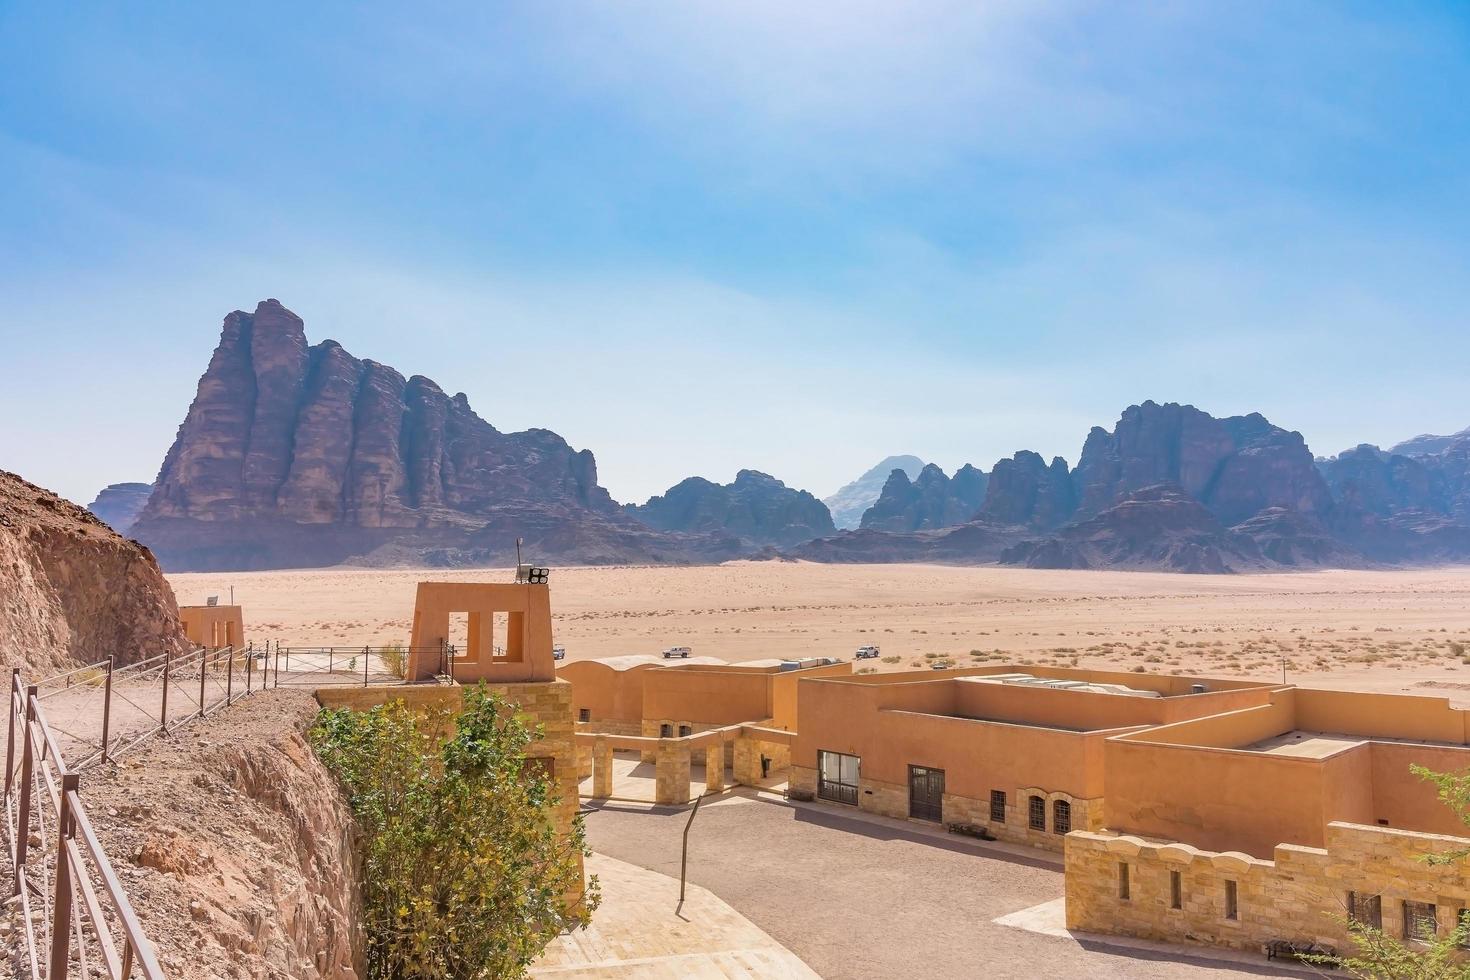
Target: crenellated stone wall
(1301, 895)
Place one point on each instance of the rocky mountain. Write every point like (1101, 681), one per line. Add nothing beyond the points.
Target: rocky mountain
(1427, 445)
(296, 455)
(119, 504)
(1172, 487)
(930, 501)
(72, 590)
(1400, 507)
(757, 509)
(848, 504)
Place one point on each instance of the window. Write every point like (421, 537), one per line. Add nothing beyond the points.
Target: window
(1037, 813)
(1232, 908)
(997, 806)
(1061, 817)
(685, 731)
(1366, 910)
(1123, 891)
(584, 714)
(837, 777)
(665, 731)
(1420, 921)
(1176, 890)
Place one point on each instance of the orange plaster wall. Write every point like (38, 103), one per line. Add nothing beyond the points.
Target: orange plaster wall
(784, 688)
(1213, 798)
(610, 695)
(1231, 729)
(1380, 715)
(213, 626)
(1403, 799)
(706, 697)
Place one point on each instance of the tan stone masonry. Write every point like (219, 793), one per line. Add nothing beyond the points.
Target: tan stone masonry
(1301, 895)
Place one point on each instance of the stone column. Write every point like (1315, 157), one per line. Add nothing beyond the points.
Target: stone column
(671, 772)
(714, 768)
(747, 762)
(602, 769)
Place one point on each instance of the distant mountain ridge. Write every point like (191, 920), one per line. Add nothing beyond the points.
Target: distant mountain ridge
(119, 504)
(756, 508)
(932, 500)
(850, 503)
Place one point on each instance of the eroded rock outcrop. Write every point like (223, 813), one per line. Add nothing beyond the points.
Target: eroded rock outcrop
(236, 847)
(1026, 490)
(932, 500)
(1399, 507)
(119, 504)
(756, 508)
(850, 503)
(297, 455)
(72, 590)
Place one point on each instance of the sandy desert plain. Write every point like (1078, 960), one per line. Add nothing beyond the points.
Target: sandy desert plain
(1398, 631)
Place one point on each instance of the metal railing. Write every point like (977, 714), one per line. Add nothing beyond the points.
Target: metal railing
(362, 666)
(86, 922)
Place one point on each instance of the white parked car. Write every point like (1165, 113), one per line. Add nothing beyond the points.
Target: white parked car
(866, 653)
(673, 652)
(558, 653)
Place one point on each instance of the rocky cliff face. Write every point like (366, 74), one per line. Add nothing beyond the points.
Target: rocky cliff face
(757, 509)
(933, 500)
(1427, 445)
(72, 590)
(301, 455)
(1398, 507)
(119, 504)
(1236, 467)
(849, 504)
(1025, 490)
(236, 847)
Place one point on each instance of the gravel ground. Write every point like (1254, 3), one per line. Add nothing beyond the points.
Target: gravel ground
(859, 900)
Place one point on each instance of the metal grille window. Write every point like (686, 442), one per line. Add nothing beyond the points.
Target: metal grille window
(1366, 910)
(997, 806)
(1232, 907)
(1061, 817)
(1420, 921)
(1176, 890)
(1037, 813)
(837, 777)
(584, 714)
(665, 731)
(1123, 883)
(685, 731)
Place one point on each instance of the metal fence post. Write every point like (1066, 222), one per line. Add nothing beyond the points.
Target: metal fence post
(106, 707)
(364, 665)
(230, 678)
(331, 658)
(249, 667)
(168, 662)
(203, 663)
(27, 756)
(61, 905)
(278, 664)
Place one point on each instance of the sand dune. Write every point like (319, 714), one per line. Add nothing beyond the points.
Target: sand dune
(1380, 630)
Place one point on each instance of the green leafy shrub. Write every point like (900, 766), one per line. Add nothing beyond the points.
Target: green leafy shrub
(394, 659)
(463, 873)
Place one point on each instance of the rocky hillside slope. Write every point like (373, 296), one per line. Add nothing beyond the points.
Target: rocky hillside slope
(850, 503)
(300, 455)
(1172, 487)
(72, 590)
(757, 509)
(1428, 445)
(119, 504)
(933, 500)
(235, 846)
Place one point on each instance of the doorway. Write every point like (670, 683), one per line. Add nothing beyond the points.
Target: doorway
(926, 793)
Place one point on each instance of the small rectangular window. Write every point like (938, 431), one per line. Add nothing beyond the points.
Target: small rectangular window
(1366, 910)
(584, 714)
(685, 731)
(665, 731)
(1123, 890)
(997, 806)
(1037, 811)
(1232, 910)
(1061, 817)
(1421, 921)
(1176, 890)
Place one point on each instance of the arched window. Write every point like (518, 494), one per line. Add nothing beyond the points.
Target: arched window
(1037, 812)
(1061, 817)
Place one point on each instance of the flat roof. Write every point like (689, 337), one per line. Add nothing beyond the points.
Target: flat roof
(1320, 745)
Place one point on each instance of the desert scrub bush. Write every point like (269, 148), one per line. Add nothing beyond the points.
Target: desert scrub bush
(463, 873)
(891, 660)
(394, 659)
(1457, 649)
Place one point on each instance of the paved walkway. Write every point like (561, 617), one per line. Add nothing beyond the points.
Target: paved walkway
(862, 897)
(641, 931)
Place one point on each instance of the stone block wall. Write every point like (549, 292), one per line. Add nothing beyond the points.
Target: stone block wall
(747, 754)
(1301, 895)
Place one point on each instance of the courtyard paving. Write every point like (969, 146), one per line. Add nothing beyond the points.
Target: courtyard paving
(861, 897)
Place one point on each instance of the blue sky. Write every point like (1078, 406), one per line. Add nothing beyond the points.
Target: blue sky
(700, 236)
